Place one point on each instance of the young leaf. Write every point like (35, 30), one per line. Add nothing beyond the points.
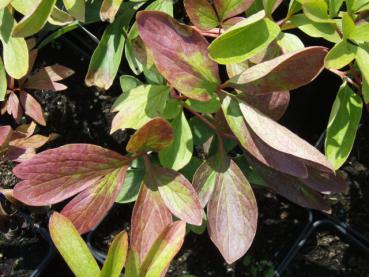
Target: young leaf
(289, 42)
(155, 135)
(179, 153)
(72, 247)
(163, 250)
(282, 139)
(243, 41)
(14, 108)
(201, 14)
(32, 108)
(133, 264)
(180, 54)
(177, 193)
(88, 208)
(149, 218)
(340, 55)
(232, 214)
(76, 8)
(35, 21)
(131, 185)
(230, 8)
(57, 174)
(315, 29)
(46, 78)
(286, 72)
(15, 50)
(138, 106)
(5, 135)
(362, 56)
(116, 257)
(255, 146)
(342, 126)
(360, 33)
(107, 56)
(316, 10)
(109, 9)
(3, 81)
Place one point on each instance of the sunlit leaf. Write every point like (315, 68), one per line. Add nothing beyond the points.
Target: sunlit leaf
(72, 247)
(360, 33)
(340, 55)
(109, 9)
(4, 3)
(342, 126)
(15, 50)
(138, 106)
(163, 250)
(155, 135)
(76, 8)
(107, 56)
(57, 174)
(289, 42)
(316, 10)
(116, 257)
(362, 57)
(230, 8)
(180, 54)
(201, 13)
(3, 81)
(149, 218)
(232, 213)
(88, 208)
(179, 153)
(286, 72)
(59, 17)
(243, 41)
(35, 21)
(177, 193)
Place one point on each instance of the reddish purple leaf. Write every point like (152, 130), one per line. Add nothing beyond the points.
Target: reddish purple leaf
(201, 13)
(177, 193)
(163, 250)
(232, 214)
(155, 135)
(255, 146)
(291, 188)
(57, 174)
(272, 104)
(283, 140)
(149, 218)
(89, 207)
(32, 108)
(286, 72)
(5, 135)
(230, 8)
(47, 77)
(13, 107)
(180, 54)
(19, 155)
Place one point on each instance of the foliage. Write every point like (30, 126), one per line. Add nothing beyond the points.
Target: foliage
(197, 94)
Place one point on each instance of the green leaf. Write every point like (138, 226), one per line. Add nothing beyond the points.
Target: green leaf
(180, 54)
(315, 29)
(172, 108)
(348, 25)
(230, 8)
(342, 126)
(34, 22)
(362, 58)
(360, 33)
(107, 56)
(109, 9)
(243, 41)
(316, 10)
(179, 153)
(365, 91)
(211, 106)
(4, 3)
(334, 7)
(155, 135)
(15, 50)
(201, 14)
(163, 250)
(76, 8)
(72, 247)
(25, 7)
(340, 55)
(3, 81)
(131, 185)
(128, 82)
(133, 264)
(200, 131)
(116, 257)
(289, 42)
(138, 106)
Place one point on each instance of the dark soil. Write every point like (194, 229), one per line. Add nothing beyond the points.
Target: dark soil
(81, 115)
